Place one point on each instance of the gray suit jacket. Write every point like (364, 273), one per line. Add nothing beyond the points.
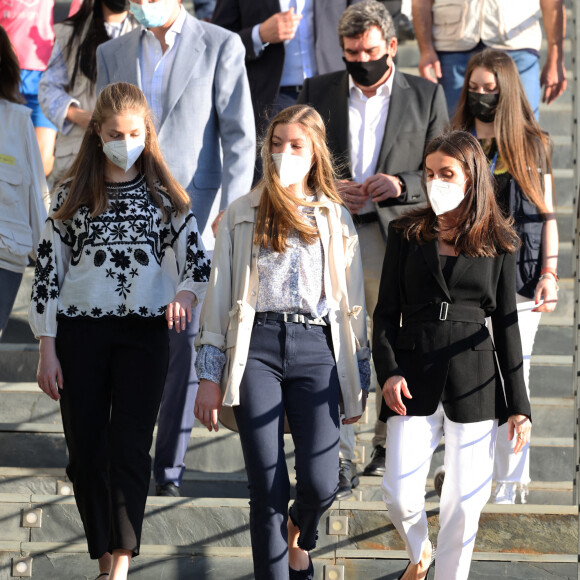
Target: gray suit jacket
(206, 132)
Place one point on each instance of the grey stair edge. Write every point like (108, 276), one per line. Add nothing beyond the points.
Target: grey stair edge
(240, 477)
(18, 347)
(479, 556)
(535, 441)
(32, 548)
(201, 503)
(562, 172)
(527, 509)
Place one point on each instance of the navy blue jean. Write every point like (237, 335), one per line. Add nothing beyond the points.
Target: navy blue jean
(290, 369)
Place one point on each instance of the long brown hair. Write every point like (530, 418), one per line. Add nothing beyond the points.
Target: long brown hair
(480, 228)
(278, 212)
(522, 145)
(87, 173)
(9, 70)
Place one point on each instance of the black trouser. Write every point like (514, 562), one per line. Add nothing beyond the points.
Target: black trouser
(290, 368)
(114, 371)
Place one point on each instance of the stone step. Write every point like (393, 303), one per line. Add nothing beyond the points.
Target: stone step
(32, 411)
(221, 522)
(197, 484)
(552, 458)
(52, 561)
(564, 188)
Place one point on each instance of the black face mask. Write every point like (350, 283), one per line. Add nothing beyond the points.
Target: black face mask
(367, 73)
(116, 6)
(483, 106)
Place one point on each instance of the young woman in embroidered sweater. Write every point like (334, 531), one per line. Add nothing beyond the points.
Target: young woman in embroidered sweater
(120, 260)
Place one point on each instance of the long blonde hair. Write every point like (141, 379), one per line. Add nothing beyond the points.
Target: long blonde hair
(87, 173)
(278, 212)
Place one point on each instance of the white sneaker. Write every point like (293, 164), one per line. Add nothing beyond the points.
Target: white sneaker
(505, 493)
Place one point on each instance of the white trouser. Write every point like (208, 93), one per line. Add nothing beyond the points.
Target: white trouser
(509, 467)
(469, 448)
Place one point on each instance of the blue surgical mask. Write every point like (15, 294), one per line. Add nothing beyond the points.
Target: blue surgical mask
(151, 15)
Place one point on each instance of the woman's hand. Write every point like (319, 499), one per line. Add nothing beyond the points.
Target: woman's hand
(351, 420)
(216, 222)
(392, 394)
(179, 311)
(522, 427)
(546, 290)
(78, 116)
(49, 373)
(208, 403)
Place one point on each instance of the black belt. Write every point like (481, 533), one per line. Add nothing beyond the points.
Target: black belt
(292, 317)
(291, 89)
(443, 311)
(365, 218)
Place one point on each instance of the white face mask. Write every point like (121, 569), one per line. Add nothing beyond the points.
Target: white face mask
(291, 168)
(125, 152)
(444, 196)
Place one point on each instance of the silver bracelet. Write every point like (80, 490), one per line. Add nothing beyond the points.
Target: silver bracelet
(552, 277)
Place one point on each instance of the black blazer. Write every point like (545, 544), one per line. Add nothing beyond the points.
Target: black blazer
(265, 69)
(417, 114)
(451, 361)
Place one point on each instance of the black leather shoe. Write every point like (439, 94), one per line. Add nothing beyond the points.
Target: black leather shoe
(167, 490)
(307, 574)
(347, 478)
(377, 464)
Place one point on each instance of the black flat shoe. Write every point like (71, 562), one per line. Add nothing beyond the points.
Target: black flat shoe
(102, 575)
(307, 574)
(433, 552)
(167, 490)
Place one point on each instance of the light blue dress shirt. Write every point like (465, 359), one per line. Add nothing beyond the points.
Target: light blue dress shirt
(299, 61)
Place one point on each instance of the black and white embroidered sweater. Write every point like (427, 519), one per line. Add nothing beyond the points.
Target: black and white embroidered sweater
(127, 261)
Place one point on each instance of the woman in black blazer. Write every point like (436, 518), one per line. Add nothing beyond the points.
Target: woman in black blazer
(447, 267)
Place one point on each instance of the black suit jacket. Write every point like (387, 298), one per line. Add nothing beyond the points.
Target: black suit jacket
(417, 114)
(265, 69)
(449, 361)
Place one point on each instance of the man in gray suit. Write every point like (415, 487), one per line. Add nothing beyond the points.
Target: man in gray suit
(194, 78)
(378, 122)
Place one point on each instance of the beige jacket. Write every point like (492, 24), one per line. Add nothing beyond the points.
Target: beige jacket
(459, 25)
(227, 315)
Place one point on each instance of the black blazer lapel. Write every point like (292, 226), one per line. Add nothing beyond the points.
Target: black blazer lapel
(397, 107)
(431, 255)
(461, 266)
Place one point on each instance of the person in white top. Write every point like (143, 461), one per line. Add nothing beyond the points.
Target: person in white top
(379, 121)
(120, 261)
(22, 182)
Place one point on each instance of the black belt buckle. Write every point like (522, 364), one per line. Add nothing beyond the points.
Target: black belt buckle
(443, 311)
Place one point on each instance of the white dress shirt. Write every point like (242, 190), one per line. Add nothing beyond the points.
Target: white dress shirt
(367, 118)
(156, 65)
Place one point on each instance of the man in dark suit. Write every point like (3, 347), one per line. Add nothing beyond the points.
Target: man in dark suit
(378, 123)
(286, 41)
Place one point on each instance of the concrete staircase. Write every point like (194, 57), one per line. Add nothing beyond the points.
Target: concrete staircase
(205, 534)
